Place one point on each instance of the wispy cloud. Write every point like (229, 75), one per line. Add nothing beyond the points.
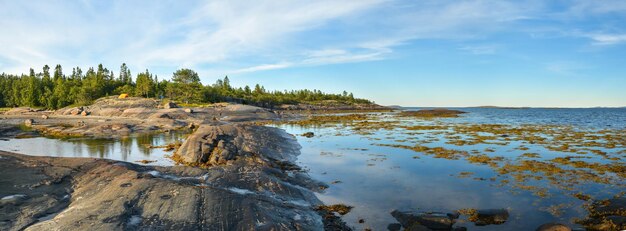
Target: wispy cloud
(262, 67)
(567, 67)
(266, 35)
(481, 49)
(607, 39)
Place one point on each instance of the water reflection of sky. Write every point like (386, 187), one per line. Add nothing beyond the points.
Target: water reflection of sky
(131, 149)
(377, 179)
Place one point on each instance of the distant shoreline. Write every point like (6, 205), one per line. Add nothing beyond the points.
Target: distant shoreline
(505, 107)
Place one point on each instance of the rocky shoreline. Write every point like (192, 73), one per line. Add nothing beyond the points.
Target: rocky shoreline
(250, 183)
(234, 174)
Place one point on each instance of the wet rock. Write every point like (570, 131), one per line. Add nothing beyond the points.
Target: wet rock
(188, 110)
(29, 122)
(45, 117)
(308, 134)
(490, 217)
(553, 227)
(606, 215)
(413, 220)
(169, 105)
(394, 227)
(340, 209)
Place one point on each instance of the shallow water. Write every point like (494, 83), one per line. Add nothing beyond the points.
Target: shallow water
(132, 148)
(378, 179)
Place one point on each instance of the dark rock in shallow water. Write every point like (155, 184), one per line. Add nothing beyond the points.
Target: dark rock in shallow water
(490, 217)
(431, 220)
(308, 134)
(606, 215)
(553, 227)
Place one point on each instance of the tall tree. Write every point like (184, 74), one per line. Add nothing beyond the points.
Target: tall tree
(145, 84)
(185, 76)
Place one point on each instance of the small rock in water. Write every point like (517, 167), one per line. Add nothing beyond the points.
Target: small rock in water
(44, 117)
(29, 122)
(411, 220)
(84, 113)
(308, 134)
(553, 227)
(490, 217)
(188, 110)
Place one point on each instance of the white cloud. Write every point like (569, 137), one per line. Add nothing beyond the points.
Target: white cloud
(263, 67)
(607, 39)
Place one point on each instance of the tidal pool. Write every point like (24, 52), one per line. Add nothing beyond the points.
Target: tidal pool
(134, 148)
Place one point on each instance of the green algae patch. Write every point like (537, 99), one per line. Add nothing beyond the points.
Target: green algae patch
(341, 209)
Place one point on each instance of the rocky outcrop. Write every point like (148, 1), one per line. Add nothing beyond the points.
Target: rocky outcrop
(42, 193)
(218, 144)
(248, 182)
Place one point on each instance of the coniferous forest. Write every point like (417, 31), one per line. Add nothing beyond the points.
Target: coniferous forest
(54, 88)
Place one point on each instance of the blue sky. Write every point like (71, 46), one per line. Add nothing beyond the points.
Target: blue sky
(411, 53)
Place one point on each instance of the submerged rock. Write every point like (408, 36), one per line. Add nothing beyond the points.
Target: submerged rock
(414, 220)
(553, 227)
(607, 214)
(394, 227)
(308, 134)
(490, 217)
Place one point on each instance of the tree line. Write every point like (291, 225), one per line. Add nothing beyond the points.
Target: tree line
(54, 89)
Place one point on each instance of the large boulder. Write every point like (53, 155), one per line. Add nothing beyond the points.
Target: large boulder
(219, 144)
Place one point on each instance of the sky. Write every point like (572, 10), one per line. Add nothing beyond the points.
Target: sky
(569, 53)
